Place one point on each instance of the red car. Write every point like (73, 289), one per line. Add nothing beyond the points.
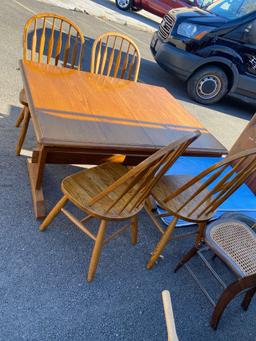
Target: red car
(159, 7)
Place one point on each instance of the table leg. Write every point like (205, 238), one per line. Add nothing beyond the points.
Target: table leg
(40, 170)
(35, 170)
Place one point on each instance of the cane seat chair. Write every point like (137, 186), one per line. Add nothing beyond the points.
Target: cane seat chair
(234, 242)
(195, 199)
(112, 192)
(53, 39)
(115, 55)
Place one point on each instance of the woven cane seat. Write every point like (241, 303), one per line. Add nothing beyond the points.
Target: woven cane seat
(235, 243)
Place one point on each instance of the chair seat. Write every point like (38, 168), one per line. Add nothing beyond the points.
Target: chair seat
(235, 243)
(169, 184)
(83, 186)
(23, 97)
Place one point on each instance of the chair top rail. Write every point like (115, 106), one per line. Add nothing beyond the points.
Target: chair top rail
(229, 160)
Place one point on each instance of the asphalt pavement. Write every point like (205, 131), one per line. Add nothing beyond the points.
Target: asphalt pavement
(44, 295)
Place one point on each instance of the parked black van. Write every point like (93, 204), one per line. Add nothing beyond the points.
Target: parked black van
(213, 50)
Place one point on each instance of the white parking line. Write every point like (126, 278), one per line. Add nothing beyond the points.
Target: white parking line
(29, 10)
(25, 7)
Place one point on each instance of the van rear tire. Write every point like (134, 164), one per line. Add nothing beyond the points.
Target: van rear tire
(208, 85)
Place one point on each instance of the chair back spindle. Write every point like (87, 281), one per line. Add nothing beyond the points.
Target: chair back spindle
(50, 38)
(221, 181)
(115, 55)
(135, 186)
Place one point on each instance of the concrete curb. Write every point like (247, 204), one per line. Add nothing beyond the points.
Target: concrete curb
(106, 10)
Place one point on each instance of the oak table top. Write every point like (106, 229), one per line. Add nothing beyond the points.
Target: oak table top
(78, 109)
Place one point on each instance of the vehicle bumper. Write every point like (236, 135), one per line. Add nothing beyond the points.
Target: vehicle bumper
(245, 89)
(174, 60)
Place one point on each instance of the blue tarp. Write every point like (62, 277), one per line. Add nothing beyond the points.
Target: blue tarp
(242, 201)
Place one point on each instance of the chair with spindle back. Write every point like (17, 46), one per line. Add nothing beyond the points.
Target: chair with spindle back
(115, 55)
(112, 192)
(195, 199)
(54, 39)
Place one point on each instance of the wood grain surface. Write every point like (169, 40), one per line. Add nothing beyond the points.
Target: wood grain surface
(247, 140)
(70, 108)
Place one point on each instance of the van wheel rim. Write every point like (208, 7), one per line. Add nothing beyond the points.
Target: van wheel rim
(123, 3)
(208, 87)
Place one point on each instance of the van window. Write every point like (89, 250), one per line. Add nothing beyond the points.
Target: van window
(245, 34)
(247, 7)
(204, 3)
(232, 9)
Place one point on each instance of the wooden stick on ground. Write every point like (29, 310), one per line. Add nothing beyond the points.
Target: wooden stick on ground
(169, 317)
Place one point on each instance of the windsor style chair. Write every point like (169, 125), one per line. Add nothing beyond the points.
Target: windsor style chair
(53, 39)
(114, 54)
(195, 199)
(112, 192)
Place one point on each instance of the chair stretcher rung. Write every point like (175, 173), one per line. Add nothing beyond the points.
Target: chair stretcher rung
(71, 217)
(210, 299)
(211, 269)
(115, 234)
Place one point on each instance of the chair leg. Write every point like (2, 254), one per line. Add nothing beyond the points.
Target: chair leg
(247, 298)
(194, 249)
(23, 131)
(134, 230)
(186, 257)
(228, 294)
(150, 203)
(20, 117)
(56, 209)
(214, 257)
(96, 250)
(162, 243)
(200, 233)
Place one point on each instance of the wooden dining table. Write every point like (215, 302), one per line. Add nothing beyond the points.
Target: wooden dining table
(84, 118)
